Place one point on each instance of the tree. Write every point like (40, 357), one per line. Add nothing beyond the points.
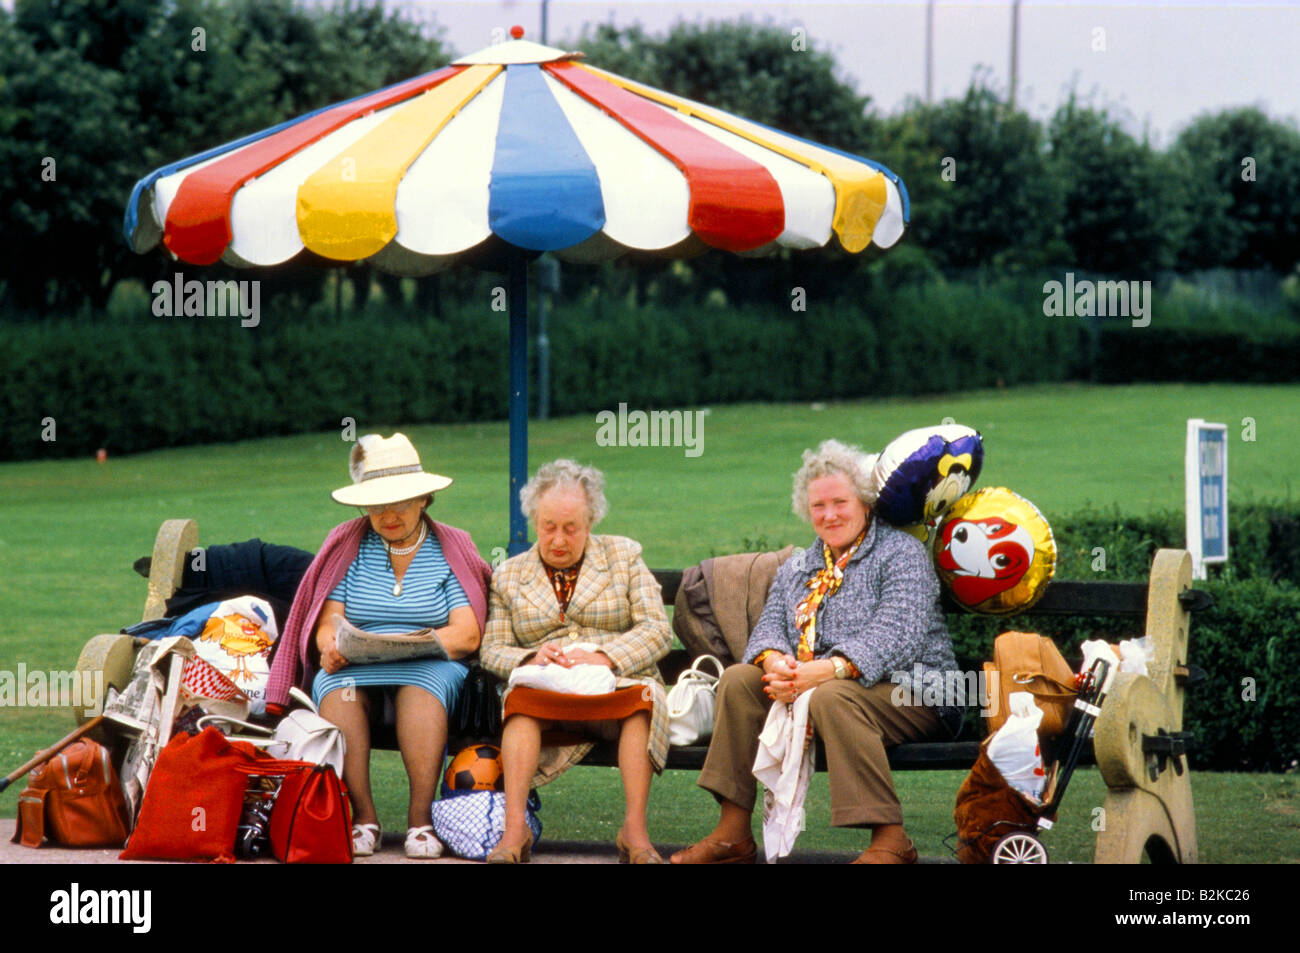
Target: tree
(982, 186)
(110, 89)
(1123, 201)
(1245, 210)
(764, 73)
(65, 150)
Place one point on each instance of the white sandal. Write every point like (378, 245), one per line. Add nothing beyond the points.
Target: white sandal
(421, 844)
(366, 839)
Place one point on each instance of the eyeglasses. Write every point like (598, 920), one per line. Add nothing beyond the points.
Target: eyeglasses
(402, 507)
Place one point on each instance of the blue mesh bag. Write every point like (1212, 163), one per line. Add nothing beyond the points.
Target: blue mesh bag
(470, 823)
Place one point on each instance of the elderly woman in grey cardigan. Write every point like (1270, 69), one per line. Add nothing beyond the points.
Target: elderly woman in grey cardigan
(849, 619)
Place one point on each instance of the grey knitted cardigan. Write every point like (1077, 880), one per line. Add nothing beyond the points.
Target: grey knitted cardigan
(884, 618)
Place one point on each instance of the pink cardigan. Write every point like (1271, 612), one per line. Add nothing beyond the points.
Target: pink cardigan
(292, 664)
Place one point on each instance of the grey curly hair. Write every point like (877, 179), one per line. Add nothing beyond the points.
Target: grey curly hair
(833, 458)
(566, 473)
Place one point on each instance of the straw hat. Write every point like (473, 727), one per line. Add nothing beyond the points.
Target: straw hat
(386, 470)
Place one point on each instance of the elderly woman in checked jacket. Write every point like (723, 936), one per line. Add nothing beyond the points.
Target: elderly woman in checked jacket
(574, 588)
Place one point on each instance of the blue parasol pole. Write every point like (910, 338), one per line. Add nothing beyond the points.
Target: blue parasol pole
(518, 399)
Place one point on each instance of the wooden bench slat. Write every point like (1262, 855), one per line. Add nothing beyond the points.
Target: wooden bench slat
(922, 756)
(1064, 597)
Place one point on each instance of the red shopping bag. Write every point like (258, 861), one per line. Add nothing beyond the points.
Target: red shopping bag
(193, 800)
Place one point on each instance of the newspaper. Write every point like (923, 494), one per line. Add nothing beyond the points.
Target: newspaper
(360, 647)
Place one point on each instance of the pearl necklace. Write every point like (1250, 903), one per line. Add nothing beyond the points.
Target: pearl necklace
(404, 551)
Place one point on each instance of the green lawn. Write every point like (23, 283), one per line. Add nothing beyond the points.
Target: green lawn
(69, 529)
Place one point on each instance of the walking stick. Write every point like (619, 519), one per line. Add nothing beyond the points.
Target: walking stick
(50, 752)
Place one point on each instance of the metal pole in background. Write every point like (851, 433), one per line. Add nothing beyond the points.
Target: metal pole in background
(929, 52)
(1015, 51)
(518, 399)
(548, 283)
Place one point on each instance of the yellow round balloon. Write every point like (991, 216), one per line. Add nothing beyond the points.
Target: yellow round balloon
(995, 552)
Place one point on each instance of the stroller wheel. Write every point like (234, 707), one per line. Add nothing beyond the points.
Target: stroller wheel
(1019, 849)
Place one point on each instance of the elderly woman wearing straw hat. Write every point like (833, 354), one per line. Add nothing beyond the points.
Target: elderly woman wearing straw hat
(843, 620)
(392, 569)
(577, 600)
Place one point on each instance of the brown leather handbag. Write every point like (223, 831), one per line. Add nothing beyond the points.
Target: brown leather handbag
(74, 799)
(1029, 662)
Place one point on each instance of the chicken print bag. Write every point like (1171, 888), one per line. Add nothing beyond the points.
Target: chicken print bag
(237, 641)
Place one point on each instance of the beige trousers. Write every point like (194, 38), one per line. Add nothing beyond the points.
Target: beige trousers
(855, 724)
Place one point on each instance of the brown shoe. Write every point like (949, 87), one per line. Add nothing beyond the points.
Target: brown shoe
(512, 855)
(710, 850)
(887, 855)
(635, 855)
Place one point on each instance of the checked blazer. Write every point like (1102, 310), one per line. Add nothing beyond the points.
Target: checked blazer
(617, 604)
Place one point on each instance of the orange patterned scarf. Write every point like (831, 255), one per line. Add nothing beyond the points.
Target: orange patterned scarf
(823, 585)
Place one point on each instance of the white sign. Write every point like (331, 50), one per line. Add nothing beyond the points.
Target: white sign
(1207, 494)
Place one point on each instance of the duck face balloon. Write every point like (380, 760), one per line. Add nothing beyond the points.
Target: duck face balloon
(921, 473)
(995, 552)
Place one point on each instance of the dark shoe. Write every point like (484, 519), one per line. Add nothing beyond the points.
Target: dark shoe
(887, 855)
(512, 855)
(710, 850)
(635, 855)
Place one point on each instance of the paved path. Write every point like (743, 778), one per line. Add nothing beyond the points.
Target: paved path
(550, 852)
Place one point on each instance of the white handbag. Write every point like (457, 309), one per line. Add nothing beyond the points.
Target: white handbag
(690, 703)
(301, 735)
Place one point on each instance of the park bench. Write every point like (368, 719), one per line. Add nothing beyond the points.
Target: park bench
(1139, 745)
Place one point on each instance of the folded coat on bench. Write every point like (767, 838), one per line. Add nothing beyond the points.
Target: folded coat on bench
(719, 601)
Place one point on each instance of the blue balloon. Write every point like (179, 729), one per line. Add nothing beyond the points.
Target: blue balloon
(923, 472)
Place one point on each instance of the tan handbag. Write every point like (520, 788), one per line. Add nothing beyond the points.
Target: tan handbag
(74, 799)
(1029, 662)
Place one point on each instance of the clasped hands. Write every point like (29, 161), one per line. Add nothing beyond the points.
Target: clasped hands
(785, 678)
(554, 652)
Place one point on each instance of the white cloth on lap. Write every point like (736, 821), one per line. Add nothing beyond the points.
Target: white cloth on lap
(784, 766)
(585, 679)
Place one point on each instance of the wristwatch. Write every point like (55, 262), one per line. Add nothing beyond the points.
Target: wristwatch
(841, 666)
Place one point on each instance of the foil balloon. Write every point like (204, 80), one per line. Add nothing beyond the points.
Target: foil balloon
(923, 472)
(995, 552)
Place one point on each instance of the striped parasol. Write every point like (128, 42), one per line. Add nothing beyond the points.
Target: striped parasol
(521, 144)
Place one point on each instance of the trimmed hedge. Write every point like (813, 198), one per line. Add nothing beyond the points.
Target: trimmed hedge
(142, 382)
(1263, 356)
(137, 385)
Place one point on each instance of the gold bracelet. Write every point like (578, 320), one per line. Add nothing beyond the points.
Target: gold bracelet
(841, 666)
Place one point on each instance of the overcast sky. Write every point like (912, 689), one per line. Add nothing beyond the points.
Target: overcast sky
(1157, 64)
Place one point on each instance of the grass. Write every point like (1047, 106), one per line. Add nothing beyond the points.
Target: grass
(585, 804)
(69, 530)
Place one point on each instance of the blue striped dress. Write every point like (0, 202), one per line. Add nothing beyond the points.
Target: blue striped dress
(430, 591)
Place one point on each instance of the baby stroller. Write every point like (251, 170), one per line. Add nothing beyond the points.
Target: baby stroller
(996, 823)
